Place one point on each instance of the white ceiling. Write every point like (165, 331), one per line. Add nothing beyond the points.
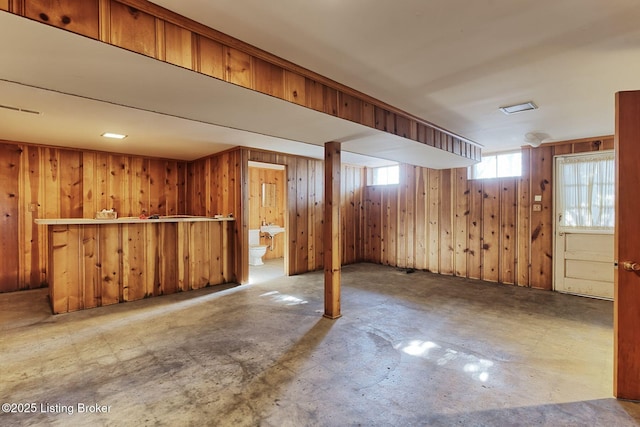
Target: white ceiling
(452, 63)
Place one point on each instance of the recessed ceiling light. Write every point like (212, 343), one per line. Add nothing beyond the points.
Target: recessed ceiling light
(114, 135)
(518, 108)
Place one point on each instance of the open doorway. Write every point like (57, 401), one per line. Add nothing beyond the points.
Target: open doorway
(267, 216)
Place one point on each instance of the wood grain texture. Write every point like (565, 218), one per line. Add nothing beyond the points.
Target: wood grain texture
(210, 57)
(133, 29)
(54, 183)
(331, 231)
(179, 46)
(4, 4)
(80, 17)
(627, 283)
(9, 220)
(97, 265)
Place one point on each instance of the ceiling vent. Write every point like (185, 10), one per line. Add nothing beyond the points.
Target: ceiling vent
(22, 110)
(519, 108)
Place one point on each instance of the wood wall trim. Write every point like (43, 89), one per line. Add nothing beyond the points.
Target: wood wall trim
(141, 26)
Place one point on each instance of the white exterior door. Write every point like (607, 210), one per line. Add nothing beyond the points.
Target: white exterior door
(584, 212)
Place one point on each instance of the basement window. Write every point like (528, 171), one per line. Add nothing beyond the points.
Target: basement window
(501, 165)
(384, 175)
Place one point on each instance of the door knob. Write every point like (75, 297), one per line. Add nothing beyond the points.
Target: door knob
(631, 266)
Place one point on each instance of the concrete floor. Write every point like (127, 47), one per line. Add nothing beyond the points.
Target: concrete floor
(410, 350)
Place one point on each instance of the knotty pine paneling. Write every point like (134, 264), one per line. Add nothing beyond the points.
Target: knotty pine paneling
(210, 57)
(305, 206)
(133, 29)
(78, 16)
(178, 46)
(9, 219)
(268, 78)
(127, 262)
(295, 88)
(238, 67)
(48, 182)
(541, 221)
(439, 221)
(482, 229)
(4, 4)
(215, 187)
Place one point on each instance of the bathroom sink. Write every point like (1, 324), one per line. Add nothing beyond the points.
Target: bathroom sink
(272, 230)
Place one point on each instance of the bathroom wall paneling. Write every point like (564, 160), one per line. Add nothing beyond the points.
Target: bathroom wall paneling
(268, 214)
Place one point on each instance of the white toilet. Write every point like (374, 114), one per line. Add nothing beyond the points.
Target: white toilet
(256, 250)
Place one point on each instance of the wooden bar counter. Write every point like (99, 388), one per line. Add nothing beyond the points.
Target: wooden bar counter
(94, 262)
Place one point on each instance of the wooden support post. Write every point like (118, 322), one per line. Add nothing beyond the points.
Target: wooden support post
(331, 231)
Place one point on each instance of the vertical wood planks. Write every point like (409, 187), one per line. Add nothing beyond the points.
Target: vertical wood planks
(508, 234)
(133, 29)
(178, 46)
(90, 267)
(211, 58)
(421, 218)
(461, 221)
(475, 259)
(523, 216)
(238, 67)
(268, 78)
(110, 247)
(9, 222)
(75, 16)
(541, 225)
(445, 227)
(433, 215)
(491, 230)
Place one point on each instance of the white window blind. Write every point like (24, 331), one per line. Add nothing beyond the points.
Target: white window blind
(587, 183)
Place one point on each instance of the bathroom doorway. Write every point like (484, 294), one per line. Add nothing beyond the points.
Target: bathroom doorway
(267, 221)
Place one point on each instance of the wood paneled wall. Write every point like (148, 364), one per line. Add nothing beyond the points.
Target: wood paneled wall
(270, 214)
(145, 28)
(440, 221)
(435, 220)
(94, 265)
(305, 205)
(47, 182)
(216, 188)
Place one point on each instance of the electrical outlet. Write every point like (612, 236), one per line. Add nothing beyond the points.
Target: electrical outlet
(537, 207)
(537, 198)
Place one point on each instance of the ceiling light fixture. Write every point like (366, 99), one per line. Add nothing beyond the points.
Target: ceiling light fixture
(518, 108)
(114, 135)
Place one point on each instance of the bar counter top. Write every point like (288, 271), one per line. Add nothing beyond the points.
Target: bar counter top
(129, 220)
